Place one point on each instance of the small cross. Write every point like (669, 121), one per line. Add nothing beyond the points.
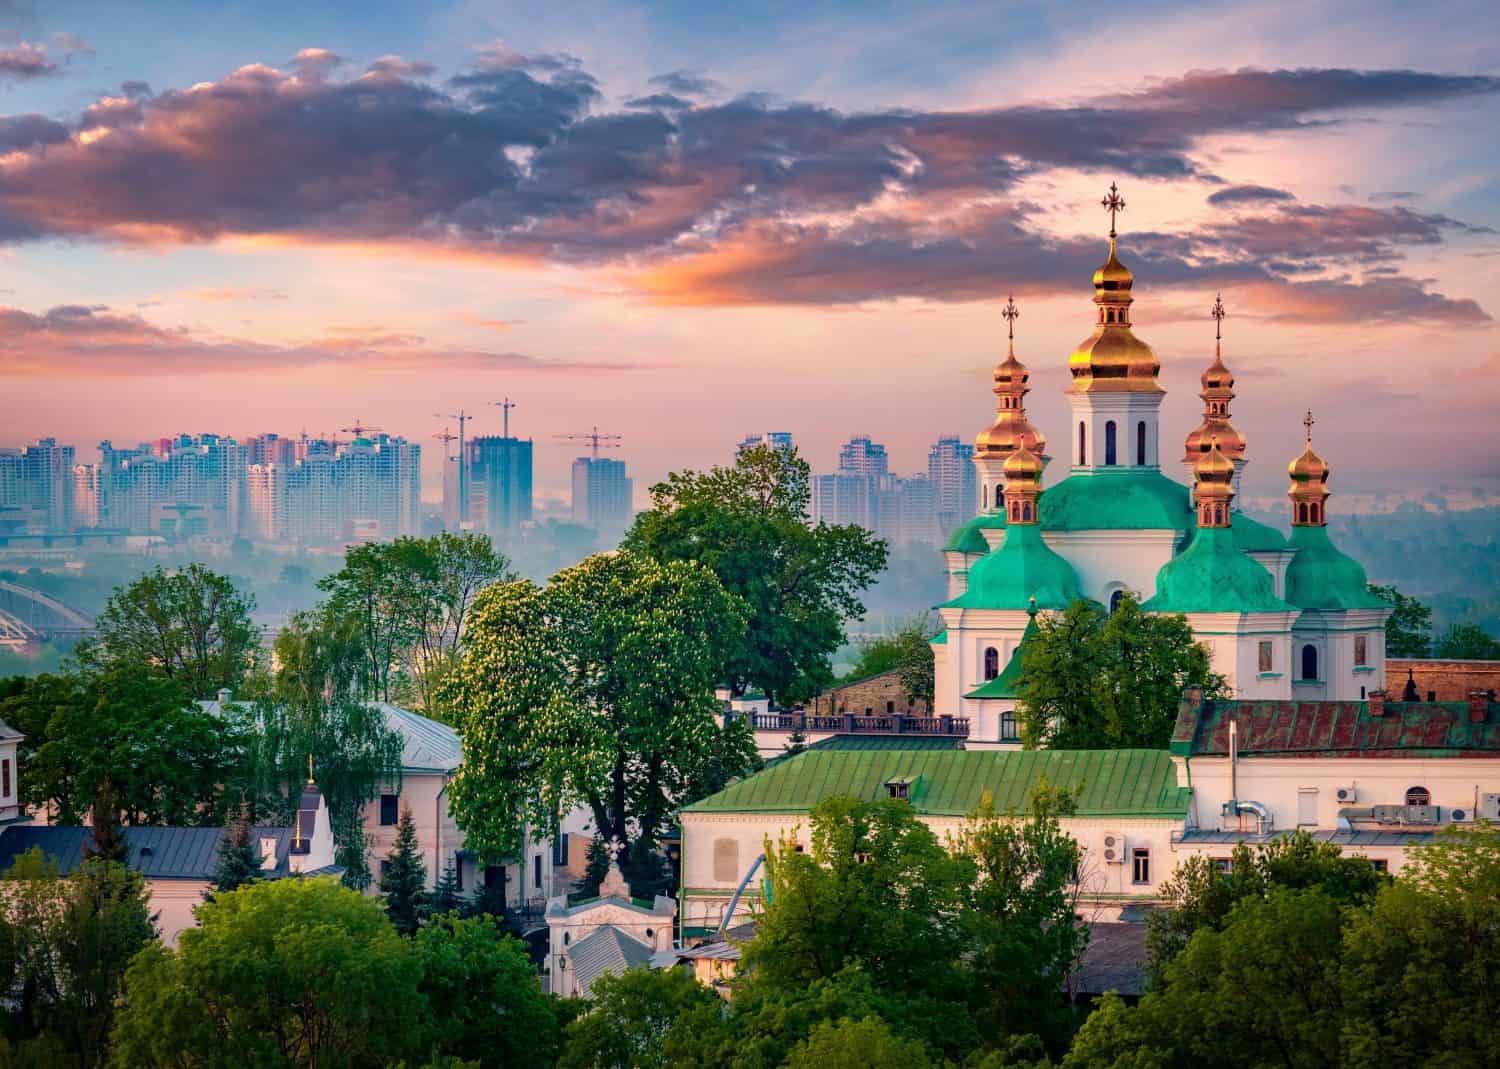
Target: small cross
(1011, 314)
(1218, 313)
(1308, 421)
(1115, 203)
(613, 848)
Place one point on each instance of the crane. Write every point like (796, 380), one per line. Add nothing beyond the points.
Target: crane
(359, 429)
(505, 406)
(463, 461)
(596, 440)
(445, 437)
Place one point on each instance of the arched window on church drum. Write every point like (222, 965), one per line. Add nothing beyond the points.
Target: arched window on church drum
(991, 663)
(1140, 444)
(1302, 512)
(1083, 441)
(1309, 662)
(1109, 443)
(1114, 601)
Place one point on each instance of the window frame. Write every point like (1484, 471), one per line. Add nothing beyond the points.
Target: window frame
(1140, 865)
(394, 801)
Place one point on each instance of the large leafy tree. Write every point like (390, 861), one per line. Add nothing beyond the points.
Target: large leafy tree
(1408, 630)
(801, 582)
(191, 625)
(1097, 680)
(597, 690)
(632, 1018)
(907, 652)
(284, 973)
(64, 948)
(1467, 642)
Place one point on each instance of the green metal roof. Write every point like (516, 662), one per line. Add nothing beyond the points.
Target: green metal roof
(1213, 575)
(939, 639)
(1023, 568)
(1321, 577)
(1006, 683)
(1252, 536)
(1113, 499)
(1109, 783)
(967, 538)
(854, 743)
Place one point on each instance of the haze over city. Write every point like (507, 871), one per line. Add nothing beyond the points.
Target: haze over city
(270, 219)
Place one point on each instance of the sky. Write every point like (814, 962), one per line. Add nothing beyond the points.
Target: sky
(686, 222)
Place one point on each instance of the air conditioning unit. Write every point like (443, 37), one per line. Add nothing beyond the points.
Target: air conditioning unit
(1457, 815)
(1346, 795)
(1420, 814)
(1114, 848)
(1489, 807)
(1387, 814)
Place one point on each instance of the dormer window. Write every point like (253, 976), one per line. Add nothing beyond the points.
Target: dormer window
(899, 789)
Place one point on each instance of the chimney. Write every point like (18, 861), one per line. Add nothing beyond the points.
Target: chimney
(1479, 706)
(1377, 703)
(1194, 697)
(224, 695)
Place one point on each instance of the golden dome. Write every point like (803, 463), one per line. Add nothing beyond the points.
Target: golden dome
(1011, 429)
(1308, 470)
(1024, 466)
(1214, 467)
(1112, 274)
(1217, 376)
(1113, 359)
(1309, 489)
(1231, 441)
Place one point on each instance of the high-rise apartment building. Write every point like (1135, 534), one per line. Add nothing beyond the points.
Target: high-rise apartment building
(839, 498)
(499, 483)
(955, 483)
(602, 495)
(159, 486)
(775, 439)
(860, 456)
(36, 486)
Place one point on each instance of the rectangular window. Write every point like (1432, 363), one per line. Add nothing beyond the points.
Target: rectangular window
(1266, 662)
(4, 779)
(1380, 865)
(458, 873)
(1008, 732)
(1307, 806)
(560, 850)
(1361, 650)
(389, 809)
(536, 871)
(1223, 865)
(1141, 861)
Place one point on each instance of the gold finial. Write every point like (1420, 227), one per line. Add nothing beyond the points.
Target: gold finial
(1307, 422)
(1114, 203)
(309, 769)
(1218, 313)
(1011, 314)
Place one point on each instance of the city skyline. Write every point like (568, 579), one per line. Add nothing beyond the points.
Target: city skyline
(681, 241)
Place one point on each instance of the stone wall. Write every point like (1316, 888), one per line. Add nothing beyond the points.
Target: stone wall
(1444, 681)
(873, 695)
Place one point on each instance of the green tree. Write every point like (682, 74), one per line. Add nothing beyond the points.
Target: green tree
(867, 1044)
(1467, 642)
(1097, 680)
(191, 625)
(367, 598)
(281, 973)
(597, 689)
(1408, 630)
(66, 944)
(403, 877)
(447, 896)
(239, 855)
(484, 997)
(908, 652)
(801, 582)
(629, 1019)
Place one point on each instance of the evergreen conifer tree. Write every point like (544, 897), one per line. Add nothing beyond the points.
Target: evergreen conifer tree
(446, 896)
(109, 838)
(239, 856)
(404, 877)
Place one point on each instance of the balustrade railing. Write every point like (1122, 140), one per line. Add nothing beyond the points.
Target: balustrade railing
(850, 724)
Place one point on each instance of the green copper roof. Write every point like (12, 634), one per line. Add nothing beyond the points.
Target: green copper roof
(1252, 536)
(1109, 783)
(967, 538)
(1213, 575)
(1004, 685)
(1117, 499)
(939, 639)
(1320, 577)
(1023, 568)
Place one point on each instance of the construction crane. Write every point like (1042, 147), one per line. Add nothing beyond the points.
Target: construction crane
(596, 440)
(445, 437)
(505, 406)
(359, 429)
(463, 461)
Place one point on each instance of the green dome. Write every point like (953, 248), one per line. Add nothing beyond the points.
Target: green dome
(1320, 577)
(1140, 499)
(1252, 536)
(1213, 575)
(1021, 569)
(968, 539)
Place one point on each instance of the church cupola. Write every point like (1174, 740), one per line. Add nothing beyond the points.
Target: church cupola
(1023, 486)
(1213, 487)
(1011, 430)
(1218, 391)
(1309, 489)
(1114, 393)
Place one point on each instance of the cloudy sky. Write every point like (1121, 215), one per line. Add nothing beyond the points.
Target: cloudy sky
(683, 222)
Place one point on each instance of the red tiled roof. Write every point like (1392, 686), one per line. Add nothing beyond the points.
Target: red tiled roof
(1337, 729)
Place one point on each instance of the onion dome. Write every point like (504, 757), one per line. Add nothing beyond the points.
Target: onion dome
(1324, 578)
(1023, 486)
(1113, 359)
(1309, 489)
(1213, 487)
(1011, 429)
(1214, 575)
(1218, 391)
(1022, 569)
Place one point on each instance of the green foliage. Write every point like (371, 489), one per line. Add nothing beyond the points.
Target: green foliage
(908, 652)
(403, 878)
(482, 996)
(867, 1044)
(596, 689)
(748, 525)
(1408, 630)
(630, 1017)
(191, 625)
(1097, 680)
(282, 973)
(64, 948)
(446, 896)
(239, 855)
(1467, 642)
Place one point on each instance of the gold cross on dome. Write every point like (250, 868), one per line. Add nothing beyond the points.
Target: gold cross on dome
(1218, 313)
(1308, 421)
(1011, 314)
(1115, 204)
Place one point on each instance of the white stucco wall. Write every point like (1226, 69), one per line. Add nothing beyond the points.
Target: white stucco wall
(1107, 561)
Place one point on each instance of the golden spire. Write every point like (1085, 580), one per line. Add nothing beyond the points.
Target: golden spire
(1113, 359)
(1213, 487)
(1309, 489)
(309, 768)
(1023, 485)
(1218, 391)
(1011, 429)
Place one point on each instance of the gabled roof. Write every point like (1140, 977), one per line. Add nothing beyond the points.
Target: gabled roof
(426, 744)
(156, 853)
(7, 732)
(606, 950)
(1114, 783)
(561, 906)
(1336, 729)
